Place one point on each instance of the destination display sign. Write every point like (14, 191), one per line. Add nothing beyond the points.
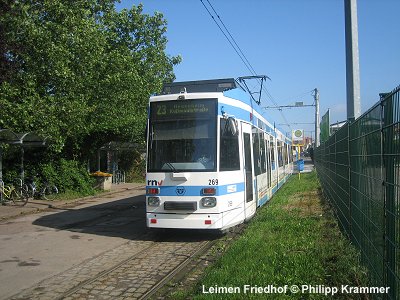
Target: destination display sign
(182, 109)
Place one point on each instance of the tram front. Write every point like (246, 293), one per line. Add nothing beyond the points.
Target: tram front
(182, 178)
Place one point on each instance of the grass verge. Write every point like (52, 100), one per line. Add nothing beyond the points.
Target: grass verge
(294, 240)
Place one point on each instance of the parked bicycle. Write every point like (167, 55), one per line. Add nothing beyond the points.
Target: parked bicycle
(46, 191)
(17, 195)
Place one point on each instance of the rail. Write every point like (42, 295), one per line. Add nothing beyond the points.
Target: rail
(1, 189)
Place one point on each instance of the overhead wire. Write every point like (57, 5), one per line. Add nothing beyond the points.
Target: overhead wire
(248, 66)
(233, 39)
(296, 97)
(239, 51)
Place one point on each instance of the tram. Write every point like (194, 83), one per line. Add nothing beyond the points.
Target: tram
(212, 158)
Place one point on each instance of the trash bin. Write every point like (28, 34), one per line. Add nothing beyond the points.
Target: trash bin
(300, 165)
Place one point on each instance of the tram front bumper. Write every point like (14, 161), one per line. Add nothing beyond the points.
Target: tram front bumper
(184, 221)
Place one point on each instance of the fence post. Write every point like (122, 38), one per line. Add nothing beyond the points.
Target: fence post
(388, 176)
(1, 161)
(350, 232)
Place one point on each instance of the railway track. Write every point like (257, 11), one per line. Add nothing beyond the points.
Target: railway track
(135, 270)
(143, 267)
(186, 276)
(184, 266)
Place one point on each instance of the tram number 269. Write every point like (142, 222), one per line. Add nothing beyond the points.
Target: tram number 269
(212, 181)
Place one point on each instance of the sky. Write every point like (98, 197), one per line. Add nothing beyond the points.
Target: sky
(299, 44)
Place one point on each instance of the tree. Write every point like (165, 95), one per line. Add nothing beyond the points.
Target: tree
(80, 72)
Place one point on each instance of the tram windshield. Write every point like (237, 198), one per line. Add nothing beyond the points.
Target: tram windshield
(182, 136)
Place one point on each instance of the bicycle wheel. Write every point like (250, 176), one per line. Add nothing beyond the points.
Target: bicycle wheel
(3, 197)
(50, 192)
(5, 194)
(31, 190)
(19, 198)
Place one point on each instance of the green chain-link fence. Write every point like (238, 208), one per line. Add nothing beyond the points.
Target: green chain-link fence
(359, 170)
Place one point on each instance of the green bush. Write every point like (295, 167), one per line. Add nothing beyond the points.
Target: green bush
(10, 175)
(68, 175)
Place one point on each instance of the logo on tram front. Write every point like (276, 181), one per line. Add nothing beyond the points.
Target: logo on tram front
(180, 190)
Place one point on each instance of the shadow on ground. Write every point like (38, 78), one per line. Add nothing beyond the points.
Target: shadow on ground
(125, 218)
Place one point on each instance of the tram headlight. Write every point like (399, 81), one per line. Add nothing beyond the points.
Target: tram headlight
(153, 201)
(208, 202)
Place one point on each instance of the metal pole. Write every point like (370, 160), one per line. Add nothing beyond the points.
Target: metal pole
(352, 60)
(22, 172)
(317, 130)
(1, 162)
(98, 160)
(1, 172)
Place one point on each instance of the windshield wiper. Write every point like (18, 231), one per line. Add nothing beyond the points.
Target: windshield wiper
(171, 167)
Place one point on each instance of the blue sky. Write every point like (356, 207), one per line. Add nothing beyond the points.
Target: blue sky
(299, 44)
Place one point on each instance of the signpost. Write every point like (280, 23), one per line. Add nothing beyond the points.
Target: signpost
(298, 142)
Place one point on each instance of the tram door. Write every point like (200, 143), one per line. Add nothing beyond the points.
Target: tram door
(249, 201)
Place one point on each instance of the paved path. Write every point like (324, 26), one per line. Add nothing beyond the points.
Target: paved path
(93, 248)
(34, 206)
(308, 166)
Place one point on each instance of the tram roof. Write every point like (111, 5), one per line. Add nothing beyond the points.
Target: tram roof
(199, 86)
(227, 86)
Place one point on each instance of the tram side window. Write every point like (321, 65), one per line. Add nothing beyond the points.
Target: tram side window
(268, 157)
(263, 153)
(272, 154)
(229, 149)
(256, 152)
(285, 154)
(259, 152)
(280, 154)
(291, 154)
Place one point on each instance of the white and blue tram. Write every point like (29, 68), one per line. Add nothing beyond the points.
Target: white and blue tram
(212, 158)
